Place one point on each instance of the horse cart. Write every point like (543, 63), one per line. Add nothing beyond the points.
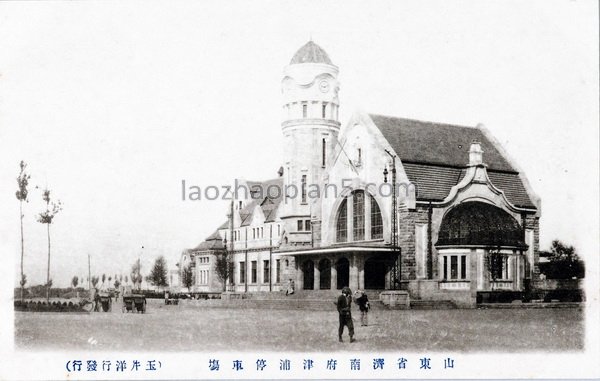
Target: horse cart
(134, 303)
(103, 302)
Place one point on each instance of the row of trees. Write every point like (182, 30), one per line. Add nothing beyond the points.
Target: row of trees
(157, 276)
(46, 216)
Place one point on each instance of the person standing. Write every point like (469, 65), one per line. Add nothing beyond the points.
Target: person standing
(363, 306)
(344, 304)
(290, 287)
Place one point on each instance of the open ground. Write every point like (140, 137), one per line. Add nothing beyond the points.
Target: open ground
(191, 328)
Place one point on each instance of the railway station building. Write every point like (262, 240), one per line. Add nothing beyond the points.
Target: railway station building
(464, 219)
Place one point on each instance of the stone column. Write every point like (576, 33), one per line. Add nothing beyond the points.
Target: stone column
(485, 272)
(353, 281)
(361, 271)
(299, 275)
(515, 272)
(317, 275)
(333, 275)
(473, 275)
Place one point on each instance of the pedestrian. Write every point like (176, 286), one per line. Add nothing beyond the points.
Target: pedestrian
(363, 306)
(344, 304)
(290, 287)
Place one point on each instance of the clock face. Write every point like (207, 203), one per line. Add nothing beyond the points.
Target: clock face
(324, 86)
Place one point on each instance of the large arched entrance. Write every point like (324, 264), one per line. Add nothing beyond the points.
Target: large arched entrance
(343, 273)
(308, 268)
(376, 269)
(324, 274)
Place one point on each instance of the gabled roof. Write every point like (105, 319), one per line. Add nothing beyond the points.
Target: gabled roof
(310, 53)
(213, 242)
(435, 157)
(266, 194)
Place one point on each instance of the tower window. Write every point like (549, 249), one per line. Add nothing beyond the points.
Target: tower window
(300, 225)
(303, 184)
(304, 110)
(323, 110)
(323, 154)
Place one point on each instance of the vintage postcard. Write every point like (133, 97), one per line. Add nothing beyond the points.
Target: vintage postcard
(299, 190)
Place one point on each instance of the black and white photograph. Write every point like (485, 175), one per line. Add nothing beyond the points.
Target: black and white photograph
(299, 189)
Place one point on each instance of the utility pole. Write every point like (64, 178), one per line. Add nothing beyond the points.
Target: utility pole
(270, 258)
(396, 269)
(229, 255)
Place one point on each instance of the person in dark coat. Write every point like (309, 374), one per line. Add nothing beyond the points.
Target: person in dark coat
(363, 305)
(344, 304)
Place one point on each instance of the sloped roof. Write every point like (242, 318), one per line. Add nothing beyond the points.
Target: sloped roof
(266, 194)
(310, 53)
(435, 157)
(213, 242)
(437, 143)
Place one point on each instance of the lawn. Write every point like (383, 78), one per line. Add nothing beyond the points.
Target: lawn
(187, 328)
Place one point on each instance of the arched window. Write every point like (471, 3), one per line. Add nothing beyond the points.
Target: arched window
(342, 225)
(376, 220)
(361, 202)
(358, 220)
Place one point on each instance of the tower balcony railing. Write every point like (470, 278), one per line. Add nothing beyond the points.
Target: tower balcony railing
(312, 121)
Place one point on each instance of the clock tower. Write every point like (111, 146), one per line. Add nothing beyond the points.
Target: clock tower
(310, 128)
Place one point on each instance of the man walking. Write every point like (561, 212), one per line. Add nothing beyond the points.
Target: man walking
(344, 303)
(363, 306)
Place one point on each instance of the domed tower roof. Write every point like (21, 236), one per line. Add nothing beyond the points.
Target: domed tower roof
(311, 53)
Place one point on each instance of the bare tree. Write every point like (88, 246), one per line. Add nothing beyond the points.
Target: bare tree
(223, 267)
(136, 274)
(22, 192)
(46, 217)
(187, 277)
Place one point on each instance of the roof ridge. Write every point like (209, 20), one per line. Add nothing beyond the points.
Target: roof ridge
(423, 121)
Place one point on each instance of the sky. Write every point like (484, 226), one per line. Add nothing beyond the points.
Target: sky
(113, 104)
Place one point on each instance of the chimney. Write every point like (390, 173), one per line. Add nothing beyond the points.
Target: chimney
(475, 154)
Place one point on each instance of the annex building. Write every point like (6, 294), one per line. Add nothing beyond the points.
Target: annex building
(466, 219)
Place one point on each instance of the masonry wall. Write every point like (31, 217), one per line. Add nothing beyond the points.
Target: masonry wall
(533, 222)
